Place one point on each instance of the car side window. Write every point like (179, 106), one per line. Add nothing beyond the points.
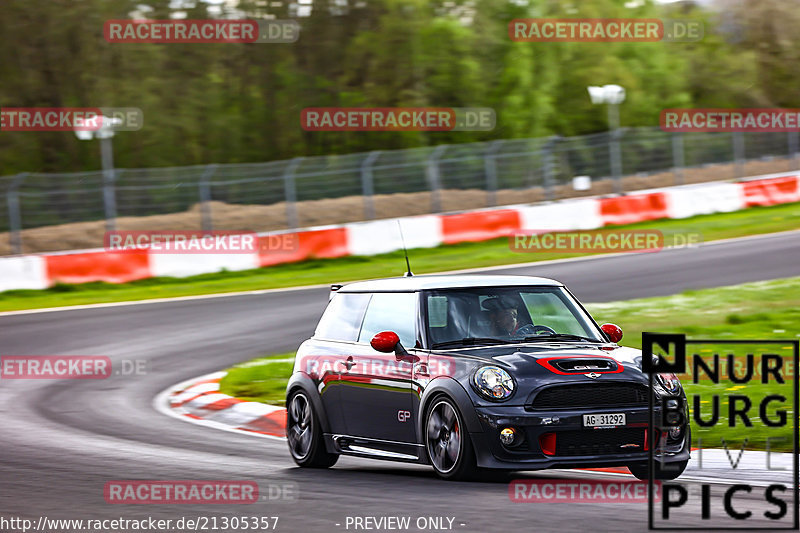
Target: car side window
(391, 311)
(343, 316)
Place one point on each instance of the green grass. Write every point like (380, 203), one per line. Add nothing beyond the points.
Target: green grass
(762, 310)
(757, 435)
(752, 221)
(260, 380)
(759, 310)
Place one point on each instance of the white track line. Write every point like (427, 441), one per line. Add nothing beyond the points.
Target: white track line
(325, 285)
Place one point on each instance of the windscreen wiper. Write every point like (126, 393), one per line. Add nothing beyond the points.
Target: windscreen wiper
(560, 337)
(471, 341)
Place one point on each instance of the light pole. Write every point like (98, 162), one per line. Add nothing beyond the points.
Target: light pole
(613, 95)
(105, 132)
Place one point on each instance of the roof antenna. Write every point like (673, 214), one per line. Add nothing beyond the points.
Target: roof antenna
(408, 274)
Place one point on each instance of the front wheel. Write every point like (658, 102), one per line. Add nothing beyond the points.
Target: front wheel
(304, 434)
(668, 472)
(447, 441)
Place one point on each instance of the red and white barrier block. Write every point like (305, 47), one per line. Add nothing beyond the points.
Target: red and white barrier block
(382, 236)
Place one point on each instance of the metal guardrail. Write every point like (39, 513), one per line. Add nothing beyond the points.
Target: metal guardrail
(32, 200)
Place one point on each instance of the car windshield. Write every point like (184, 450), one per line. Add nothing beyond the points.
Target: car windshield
(487, 315)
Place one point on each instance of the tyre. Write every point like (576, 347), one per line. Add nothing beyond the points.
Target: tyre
(447, 441)
(670, 470)
(304, 433)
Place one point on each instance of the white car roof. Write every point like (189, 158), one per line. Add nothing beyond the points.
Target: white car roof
(416, 283)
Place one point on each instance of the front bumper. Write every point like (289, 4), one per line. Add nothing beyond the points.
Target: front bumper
(578, 447)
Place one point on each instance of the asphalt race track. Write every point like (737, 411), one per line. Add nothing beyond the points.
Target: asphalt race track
(61, 441)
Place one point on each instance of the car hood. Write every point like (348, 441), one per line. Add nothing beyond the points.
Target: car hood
(530, 360)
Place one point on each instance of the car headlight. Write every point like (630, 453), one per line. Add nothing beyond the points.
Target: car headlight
(493, 383)
(669, 382)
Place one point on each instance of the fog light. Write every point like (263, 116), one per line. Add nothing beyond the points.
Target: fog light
(508, 436)
(675, 433)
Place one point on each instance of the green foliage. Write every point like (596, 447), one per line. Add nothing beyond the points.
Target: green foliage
(228, 103)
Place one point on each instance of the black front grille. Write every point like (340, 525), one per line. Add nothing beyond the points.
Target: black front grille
(592, 395)
(600, 441)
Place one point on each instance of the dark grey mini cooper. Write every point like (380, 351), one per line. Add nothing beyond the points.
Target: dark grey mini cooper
(467, 372)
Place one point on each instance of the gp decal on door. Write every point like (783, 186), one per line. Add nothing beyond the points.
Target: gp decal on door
(402, 416)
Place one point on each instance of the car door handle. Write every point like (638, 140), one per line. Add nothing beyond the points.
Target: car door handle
(348, 363)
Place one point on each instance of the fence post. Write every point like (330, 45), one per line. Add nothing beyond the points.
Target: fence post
(490, 168)
(367, 187)
(738, 153)
(290, 191)
(206, 219)
(109, 175)
(549, 167)
(616, 158)
(14, 214)
(434, 181)
(793, 148)
(678, 161)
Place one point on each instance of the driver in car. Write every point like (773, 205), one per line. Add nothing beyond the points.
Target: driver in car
(503, 317)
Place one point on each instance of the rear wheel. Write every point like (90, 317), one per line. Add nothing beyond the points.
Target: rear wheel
(447, 441)
(304, 434)
(668, 472)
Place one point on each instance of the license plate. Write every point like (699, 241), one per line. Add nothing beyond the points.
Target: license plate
(604, 420)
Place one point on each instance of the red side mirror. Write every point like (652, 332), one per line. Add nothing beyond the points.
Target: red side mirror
(385, 341)
(613, 331)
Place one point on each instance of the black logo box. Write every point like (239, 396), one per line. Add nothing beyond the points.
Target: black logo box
(664, 341)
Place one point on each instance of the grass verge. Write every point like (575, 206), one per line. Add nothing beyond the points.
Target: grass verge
(756, 220)
(761, 310)
(260, 380)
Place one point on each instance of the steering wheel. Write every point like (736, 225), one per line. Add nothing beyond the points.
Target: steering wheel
(530, 329)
